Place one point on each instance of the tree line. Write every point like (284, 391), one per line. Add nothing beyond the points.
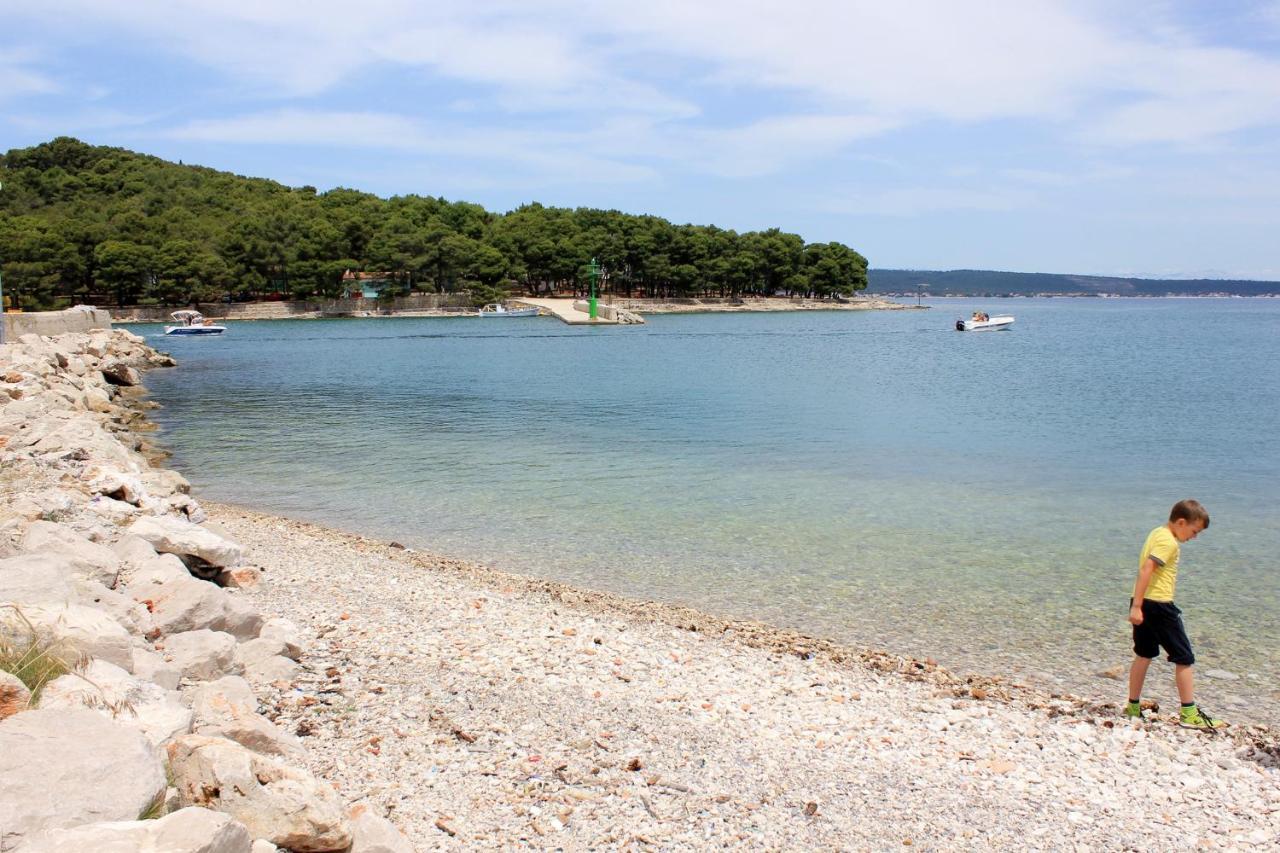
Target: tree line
(82, 223)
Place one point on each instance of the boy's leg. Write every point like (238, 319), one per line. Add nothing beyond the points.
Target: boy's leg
(1137, 676)
(1185, 679)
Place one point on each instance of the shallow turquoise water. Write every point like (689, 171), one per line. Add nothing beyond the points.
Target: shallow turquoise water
(874, 477)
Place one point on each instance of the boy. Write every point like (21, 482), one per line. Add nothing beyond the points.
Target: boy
(1158, 622)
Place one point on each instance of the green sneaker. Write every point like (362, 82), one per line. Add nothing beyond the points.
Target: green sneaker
(1134, 710)
(1196, 717)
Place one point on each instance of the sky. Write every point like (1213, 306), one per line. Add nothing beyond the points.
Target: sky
(1134, 138)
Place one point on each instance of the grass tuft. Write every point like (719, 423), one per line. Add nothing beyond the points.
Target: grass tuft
(35, 661)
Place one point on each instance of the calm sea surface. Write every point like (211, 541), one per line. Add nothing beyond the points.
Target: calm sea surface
(873, 477)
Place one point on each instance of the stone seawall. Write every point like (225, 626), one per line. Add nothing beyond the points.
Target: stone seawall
(444, 303)
(137, 676)
(79, 319)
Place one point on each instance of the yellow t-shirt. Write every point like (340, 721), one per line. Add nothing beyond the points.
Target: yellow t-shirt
(1162, 547)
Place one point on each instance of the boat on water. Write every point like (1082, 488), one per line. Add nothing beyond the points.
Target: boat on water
(983, 322)
(497, 309)
(193, 323)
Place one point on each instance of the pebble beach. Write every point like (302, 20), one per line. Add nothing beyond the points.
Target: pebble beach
(478, 709)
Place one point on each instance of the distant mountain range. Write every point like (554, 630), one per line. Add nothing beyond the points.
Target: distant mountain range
(994, 283)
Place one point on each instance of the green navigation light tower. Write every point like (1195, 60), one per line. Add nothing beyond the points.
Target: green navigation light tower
(595, 272)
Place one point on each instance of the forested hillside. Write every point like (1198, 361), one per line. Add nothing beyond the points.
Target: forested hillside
(993, 283)
(80, 223)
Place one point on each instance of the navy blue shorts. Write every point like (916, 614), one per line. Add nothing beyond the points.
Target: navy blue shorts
(1162, 628)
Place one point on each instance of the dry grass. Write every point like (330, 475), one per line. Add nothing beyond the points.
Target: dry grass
(34, 660)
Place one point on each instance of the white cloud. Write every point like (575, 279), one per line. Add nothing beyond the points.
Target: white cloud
(921, 200)
(1123, 75)
(18, 78)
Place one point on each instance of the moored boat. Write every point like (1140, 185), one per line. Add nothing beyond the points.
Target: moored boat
(497, 309)
(193, 323)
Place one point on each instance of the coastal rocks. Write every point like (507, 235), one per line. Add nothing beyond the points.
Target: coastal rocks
(158, 713)
(201, 655)
(175, 536)
(151, 666)
(279, 803)
(373, 834)
(179, 602)
(64, 768)
(91, 561)
(189, 830)
(71, 631)
(14, 695)
(271, 671)
(227, 708)
(115, 484)
(287, 633)
(119, 373)
(36, 578)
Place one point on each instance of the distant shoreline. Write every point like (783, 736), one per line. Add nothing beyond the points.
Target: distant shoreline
(289, 311)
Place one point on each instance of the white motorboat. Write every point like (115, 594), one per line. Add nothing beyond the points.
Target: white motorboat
(497, 309)
(984, 323)
(193, 323)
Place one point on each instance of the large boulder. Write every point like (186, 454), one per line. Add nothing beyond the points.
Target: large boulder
(227, 708)
(271, 671)
(285, 805)
(151, 666)
(287, 632)
(70, 631)
(180, 603)
(83, 439)
(240, 618)
(134, 550)
(158, 713)
(37, 579)
(14, 695)
(373, 834)
(119, 373)
(201, 655)
(189, 830)
(132, 616)
(174, 536)
(61, 768)
(92, 561)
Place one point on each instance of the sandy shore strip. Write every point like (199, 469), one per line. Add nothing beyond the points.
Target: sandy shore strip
(757, 304)
(477, 708)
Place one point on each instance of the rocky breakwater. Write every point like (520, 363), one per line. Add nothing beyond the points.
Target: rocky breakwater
(130, 660)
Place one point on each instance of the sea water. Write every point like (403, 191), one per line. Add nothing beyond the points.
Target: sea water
(873, 477)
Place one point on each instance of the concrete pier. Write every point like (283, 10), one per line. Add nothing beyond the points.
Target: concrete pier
(575, 311)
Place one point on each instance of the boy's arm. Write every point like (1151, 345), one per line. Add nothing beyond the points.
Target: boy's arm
(1140, 590)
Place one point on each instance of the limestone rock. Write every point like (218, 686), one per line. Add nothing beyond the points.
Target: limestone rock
(132, 616)
(151, 666)
(162, 483)
(119, 373)
(279, 628)
(189, 830)
(256, 651)
(241, 577)
(180, 603)
(175, 536)
(122, 486)
(283, 804)
(117, 512)
(134, 550)
(14, 695)
(93, 561)
(239, 618)
(227, 708)
(90, 769)
(262, 845)
(373, 834)
(201, 655)
(271, 670)
(158, 713)
(37, 579)
(73, 630)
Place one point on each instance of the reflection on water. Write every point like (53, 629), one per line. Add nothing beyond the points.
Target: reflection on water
(875, 477)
